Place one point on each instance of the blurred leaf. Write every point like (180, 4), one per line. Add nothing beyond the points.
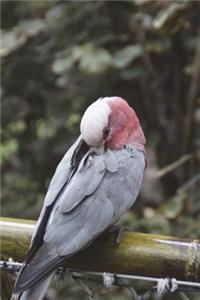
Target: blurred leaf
(89, 58)
(32, 27)
(73, 120)
(10, 41)
(169, 17)
(8, 148)
(92, 59)
(123, 57)
(133, 73)
(15, 38)
(45, 129)
(189, 69)
(172, 208)
(14, 108)
(158, 46)
(62, 65)
(22, 190)
(55, 14)
(17, 127)
(155, 224)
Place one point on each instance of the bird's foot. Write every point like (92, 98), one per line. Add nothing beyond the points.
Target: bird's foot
(118, 230)
(62, 273)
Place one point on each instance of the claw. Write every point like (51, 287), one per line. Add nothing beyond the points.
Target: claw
(62, 273)
(118, 230)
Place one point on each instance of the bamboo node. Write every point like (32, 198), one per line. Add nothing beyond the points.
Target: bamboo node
(194, 260)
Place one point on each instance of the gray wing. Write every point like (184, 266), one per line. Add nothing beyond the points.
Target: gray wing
(99, 198)
(107, 185)
(61, 175)
(73, 223)
(59, 179)
(83, 210)
(87, 178)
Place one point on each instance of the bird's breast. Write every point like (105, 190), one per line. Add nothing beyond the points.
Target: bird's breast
(122, 187)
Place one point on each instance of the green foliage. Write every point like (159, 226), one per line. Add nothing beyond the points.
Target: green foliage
(58, 57)
(8, 148)
(126, 55)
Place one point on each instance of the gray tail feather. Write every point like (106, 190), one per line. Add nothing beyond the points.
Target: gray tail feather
(37, 270)
(37, 292)
(33, 274)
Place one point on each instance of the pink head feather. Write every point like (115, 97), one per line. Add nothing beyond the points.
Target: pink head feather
(124, 126)
(110, 121)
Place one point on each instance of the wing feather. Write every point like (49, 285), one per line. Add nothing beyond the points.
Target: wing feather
(61, 175)
(84, 183)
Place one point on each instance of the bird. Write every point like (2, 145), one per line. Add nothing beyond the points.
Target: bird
(95, 183)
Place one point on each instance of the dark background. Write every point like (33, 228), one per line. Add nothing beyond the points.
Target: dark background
(58, 57)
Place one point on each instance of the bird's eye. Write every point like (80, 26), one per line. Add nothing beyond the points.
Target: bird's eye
(106, 132)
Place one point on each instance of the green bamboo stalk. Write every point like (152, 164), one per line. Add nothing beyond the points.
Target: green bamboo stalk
(137, 254)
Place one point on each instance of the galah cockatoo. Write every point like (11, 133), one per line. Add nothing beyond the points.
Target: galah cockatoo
(97, 180)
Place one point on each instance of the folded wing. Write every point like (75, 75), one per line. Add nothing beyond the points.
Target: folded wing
(77, 214)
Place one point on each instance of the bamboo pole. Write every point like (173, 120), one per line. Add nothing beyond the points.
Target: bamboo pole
(137, 254)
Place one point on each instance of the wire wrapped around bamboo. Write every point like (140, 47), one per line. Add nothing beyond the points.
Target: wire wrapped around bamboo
(138, 253)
